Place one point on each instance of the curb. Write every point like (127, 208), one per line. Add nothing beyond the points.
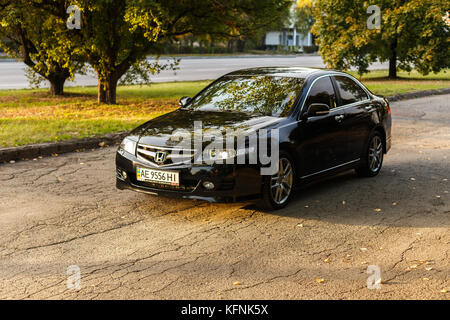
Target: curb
(418, 94)
(47, 149)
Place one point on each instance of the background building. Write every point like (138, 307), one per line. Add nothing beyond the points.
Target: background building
(288, 38)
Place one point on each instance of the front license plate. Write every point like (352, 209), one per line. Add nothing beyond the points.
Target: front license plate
(158, 176)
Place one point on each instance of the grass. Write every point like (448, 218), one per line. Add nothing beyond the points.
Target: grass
(377, 81)
(33, 116)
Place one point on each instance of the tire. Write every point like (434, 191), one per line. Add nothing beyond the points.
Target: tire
(372, 160)
(277, 189)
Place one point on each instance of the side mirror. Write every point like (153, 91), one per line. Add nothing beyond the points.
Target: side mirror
(318, 109)
(184, 101)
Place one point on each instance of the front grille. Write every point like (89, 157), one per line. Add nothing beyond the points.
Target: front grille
(164, 156)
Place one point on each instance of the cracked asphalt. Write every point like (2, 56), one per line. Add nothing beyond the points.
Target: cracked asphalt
(61, 211)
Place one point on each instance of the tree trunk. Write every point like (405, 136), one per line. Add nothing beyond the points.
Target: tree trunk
(107, 91)
(240, 45)
(57, 86)
(101, 93)
(393, 60)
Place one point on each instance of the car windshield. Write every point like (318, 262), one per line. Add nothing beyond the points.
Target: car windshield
(267, 95)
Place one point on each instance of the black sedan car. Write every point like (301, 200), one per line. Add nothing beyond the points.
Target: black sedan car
(313, 122)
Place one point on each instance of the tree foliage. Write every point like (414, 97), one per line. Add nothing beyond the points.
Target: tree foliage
(304, 18)
(413, 34)
(117, 35)
(30, 33)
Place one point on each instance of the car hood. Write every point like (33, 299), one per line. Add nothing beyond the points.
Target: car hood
(159, 131)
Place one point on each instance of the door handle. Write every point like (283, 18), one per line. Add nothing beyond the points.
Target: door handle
(339, 118)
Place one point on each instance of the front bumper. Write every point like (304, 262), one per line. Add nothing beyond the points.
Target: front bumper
(232, 182)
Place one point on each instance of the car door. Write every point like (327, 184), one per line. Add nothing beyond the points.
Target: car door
(322, 138)
(357, 107)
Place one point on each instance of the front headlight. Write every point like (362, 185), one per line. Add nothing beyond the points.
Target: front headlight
(222, 154)
(128, 145)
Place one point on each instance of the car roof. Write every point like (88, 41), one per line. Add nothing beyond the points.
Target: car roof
(290, 72)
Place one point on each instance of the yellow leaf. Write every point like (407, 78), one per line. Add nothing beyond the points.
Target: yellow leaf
(320, 280)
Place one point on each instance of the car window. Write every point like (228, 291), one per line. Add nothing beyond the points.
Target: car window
(322, 91)
(349, 90)
(268, 95)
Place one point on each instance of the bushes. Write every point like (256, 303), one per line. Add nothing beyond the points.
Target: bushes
(310, 49)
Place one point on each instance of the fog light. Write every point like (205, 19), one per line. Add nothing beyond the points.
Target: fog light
(208, 185)
(124, 175)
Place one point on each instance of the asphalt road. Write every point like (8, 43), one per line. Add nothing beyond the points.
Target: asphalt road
(12, 74)
(61, 211)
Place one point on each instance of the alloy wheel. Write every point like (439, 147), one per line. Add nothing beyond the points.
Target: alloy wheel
(375, 154)
(281, 182)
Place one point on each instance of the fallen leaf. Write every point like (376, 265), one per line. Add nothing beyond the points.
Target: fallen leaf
(320, 280)
(377, 210)
(426, 279)
(327, 260)
(101, 144)
(394, 203)
(429, 268)
(236, 283)
(300, 225)
(438, 196)
(414, 266)
(412, 179)
(363, 249)
(444, 290)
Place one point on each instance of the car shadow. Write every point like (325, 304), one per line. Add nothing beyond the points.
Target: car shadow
(386, 200)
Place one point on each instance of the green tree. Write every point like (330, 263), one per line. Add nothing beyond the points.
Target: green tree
(413, 34)
(304, 18)
(117, 35)
(30, 33)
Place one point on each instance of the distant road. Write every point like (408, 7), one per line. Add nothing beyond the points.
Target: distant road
(12, 74)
